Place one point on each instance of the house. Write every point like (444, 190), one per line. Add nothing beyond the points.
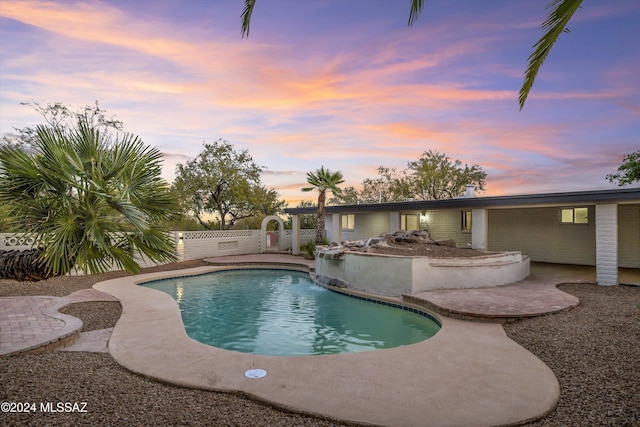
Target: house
(599, 228)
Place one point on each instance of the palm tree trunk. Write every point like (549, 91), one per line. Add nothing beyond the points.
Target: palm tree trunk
(320, 218)
(23, 265)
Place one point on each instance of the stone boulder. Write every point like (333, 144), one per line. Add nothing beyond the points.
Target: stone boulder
(335, 252)
(376, 241)
(401, 236)
(354, 244)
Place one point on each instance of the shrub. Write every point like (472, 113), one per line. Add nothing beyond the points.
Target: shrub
(309, 248)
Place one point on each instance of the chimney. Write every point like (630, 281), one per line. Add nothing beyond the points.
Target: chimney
(469, 190)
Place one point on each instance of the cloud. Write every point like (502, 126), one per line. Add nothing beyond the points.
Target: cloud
(280, 173)
(352, 98)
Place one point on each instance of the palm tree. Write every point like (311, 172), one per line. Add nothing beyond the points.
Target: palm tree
(323, 180)
(560, 12)
(90, 200)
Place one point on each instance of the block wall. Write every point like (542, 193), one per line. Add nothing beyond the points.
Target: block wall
(537, 232)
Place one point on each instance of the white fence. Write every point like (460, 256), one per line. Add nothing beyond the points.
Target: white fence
(202, 244)
(17, 241)
(214, 243)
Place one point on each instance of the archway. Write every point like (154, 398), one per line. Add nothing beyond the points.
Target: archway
(267, 240)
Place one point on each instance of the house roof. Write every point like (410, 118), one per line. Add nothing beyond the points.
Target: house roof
(625, 195)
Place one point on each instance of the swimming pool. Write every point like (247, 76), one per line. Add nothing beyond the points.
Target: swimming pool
(282, 312)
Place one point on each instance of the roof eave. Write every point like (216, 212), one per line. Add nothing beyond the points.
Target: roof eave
(546, 199)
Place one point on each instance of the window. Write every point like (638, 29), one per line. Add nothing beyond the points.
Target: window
(348, 222)
(424, 220)
(574, 216)
(466, 221)
(409, 222)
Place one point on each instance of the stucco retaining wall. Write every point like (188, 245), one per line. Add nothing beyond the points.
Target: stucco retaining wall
(396, 275)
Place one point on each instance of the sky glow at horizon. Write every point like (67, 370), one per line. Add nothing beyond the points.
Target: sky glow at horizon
(345, 85)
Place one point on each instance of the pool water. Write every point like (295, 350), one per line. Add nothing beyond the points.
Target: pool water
(282, 312)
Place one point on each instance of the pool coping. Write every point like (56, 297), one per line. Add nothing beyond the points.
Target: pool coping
(469, 373)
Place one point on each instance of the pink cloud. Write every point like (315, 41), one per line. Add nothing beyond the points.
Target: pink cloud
(304, 102)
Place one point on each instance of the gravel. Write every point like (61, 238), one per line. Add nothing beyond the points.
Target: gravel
(94, 315)
(64, 285)
(115, 397)
(594, 351)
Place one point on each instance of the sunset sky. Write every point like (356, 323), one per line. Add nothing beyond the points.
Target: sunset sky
(340, 83)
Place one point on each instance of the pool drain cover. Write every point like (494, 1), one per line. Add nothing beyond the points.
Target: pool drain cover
(255, 373)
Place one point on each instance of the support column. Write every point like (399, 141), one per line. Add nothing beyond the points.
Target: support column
(607, 244)
(336, 228)
(479, 228)
(394, 222)
(295, 235)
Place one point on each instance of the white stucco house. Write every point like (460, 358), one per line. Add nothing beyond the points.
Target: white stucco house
(599, 228)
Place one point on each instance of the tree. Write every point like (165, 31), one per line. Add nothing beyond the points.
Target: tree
(226, 183)
(391, 185)
(559, 15)
(256, 202)
(434, 176)
(323, 180)
(628, 171)
(58, 115)
(88, 198)
(348, 196)
(307, 221)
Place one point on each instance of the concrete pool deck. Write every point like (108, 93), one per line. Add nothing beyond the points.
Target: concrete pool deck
(469, 373)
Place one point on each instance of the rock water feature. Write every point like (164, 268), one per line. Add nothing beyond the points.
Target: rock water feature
(410, 261)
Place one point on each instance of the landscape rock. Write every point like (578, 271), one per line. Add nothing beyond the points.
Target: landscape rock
(401, 236)
(376, 241)
(336, 252)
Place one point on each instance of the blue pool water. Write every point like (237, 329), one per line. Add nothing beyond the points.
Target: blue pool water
(282, 312)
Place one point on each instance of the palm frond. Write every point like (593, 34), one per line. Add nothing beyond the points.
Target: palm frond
(18, 177)
(131, 212)
(416, 7)
(245, 18)
(560, 12)
(148, 242)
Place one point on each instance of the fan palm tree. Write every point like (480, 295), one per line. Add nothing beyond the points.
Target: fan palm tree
(323, 180)
(90, 200)
(560, 12)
